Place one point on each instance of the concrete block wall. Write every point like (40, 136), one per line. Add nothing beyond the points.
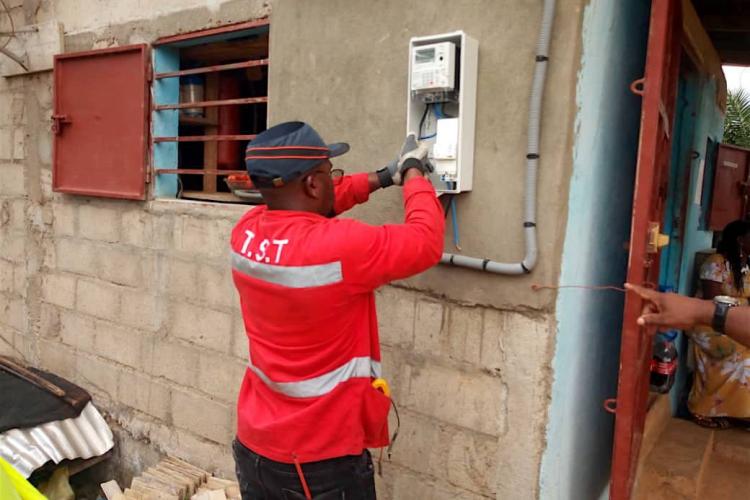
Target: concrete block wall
(136, 305)
(153, 306)
(17, 223)
(470, 385)
(133, 301)
(139, 309)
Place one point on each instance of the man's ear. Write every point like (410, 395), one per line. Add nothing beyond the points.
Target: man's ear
(310, 186)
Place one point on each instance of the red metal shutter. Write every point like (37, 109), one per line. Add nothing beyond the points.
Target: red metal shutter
(659, 88)
(730, 194)
(100, 122)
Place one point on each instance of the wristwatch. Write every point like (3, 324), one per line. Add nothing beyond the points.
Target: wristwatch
(384, 177)
(722, 304)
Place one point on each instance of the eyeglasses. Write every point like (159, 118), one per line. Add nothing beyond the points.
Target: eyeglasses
(336, 174)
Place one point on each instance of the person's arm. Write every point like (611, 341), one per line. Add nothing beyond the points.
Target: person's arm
(738, 324)
(352, 190)
(670, 310)
(355, 189)
(375, 255)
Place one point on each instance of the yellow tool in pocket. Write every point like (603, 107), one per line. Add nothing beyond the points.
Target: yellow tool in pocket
(381, 385)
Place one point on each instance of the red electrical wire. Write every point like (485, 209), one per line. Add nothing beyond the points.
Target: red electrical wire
(302, 479)
(536, 287)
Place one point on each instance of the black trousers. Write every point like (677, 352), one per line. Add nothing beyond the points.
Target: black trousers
(350, 477)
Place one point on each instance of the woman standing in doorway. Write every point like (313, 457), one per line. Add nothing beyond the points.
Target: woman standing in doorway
(721, 386)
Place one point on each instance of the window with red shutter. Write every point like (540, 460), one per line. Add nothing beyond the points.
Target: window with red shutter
(209, 97)
(100, 122)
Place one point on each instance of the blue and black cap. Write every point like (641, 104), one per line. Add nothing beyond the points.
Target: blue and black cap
(286, 151)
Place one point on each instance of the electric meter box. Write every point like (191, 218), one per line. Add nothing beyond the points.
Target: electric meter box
(441, 105)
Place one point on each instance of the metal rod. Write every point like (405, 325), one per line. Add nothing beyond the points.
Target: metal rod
(212, 69)
(208, 104)
(197, 120)
(14, 57)
(205, 138)
(197, 171)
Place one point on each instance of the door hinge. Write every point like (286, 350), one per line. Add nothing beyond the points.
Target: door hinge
(655, 239)
(149, 174)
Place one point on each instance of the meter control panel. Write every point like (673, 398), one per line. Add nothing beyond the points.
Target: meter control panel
(433, 67)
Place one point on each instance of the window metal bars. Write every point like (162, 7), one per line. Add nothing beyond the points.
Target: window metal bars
(212, 69)
(208, 104)
(197, 171)
(206, 138)
(204, 171)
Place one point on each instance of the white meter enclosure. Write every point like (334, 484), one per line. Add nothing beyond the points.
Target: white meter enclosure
(441, 105)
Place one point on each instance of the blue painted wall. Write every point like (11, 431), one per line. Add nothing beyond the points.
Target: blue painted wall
(698, 119)
(685, 118)
(709, 123)
(576, 462)
(165, 123)
(677, 207)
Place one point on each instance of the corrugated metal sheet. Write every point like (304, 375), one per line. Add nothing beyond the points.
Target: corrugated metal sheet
(85, 436)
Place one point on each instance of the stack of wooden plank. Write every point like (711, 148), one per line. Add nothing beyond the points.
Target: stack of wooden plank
(174, 479)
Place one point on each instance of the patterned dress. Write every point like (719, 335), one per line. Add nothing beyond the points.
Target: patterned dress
(721, 386)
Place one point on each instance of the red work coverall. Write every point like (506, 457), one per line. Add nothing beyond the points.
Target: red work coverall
(306, 285)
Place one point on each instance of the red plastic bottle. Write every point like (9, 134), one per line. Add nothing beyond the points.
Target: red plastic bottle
(663, 365)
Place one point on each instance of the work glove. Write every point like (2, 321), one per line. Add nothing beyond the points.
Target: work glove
(391, 173)
(416, 158)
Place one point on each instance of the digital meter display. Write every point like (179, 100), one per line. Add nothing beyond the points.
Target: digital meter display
(433, 67)
(425, 55)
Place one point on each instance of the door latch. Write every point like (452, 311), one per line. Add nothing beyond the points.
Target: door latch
(58, 121)
(656, 240)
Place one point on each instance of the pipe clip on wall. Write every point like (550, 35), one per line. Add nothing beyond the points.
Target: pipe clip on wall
(532, 163)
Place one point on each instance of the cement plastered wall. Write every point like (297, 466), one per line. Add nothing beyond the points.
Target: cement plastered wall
(134, 302)
(345, 69)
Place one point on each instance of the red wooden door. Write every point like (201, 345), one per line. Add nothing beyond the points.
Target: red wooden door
(730, 194)
(100, 122)
(658, 89)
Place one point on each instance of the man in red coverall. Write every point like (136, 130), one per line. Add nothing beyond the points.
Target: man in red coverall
(307, 409)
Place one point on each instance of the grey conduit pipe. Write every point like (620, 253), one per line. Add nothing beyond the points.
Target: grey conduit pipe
(532, 163)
